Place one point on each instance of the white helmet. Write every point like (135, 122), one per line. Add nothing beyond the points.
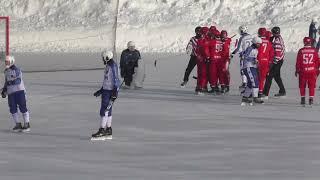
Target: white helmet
(243, 29)
(256, 40)
(106, 56)
(131, 44)
(314, 20)
(9, 61)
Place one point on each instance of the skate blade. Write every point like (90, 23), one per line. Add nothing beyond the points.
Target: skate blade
(280, 97)
(25, 130)
(109, 137)
(17, 131)
(98, 138)
(246, 104)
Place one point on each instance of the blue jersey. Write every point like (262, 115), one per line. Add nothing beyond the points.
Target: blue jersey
(249, 57)
(13, 80)
(111, 78)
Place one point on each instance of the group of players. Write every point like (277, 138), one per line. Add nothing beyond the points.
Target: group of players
(261, 59)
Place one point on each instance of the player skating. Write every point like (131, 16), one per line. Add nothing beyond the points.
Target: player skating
(307, 67)
(108, 93)
(15, 89)
(250, 70)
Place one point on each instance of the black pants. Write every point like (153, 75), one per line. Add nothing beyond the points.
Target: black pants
(192, 63)
(128, 75)
(274, 73)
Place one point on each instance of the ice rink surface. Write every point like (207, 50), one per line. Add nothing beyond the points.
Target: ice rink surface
(160, 132)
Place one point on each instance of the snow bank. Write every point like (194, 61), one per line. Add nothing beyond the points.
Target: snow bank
(155, 25)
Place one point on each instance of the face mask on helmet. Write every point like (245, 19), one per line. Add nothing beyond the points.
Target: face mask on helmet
(106, 56)
(9, 61)
(243, 29)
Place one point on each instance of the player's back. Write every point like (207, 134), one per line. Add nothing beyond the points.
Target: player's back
(308, 60)
(264, 50)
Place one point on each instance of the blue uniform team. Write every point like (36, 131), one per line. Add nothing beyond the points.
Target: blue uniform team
(15, 89)
(108, 93)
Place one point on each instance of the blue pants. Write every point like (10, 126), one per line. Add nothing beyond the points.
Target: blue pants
(105, 100)
(252, 76)
(17, 99)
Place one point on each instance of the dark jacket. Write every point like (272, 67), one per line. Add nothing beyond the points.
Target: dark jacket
(313, 31)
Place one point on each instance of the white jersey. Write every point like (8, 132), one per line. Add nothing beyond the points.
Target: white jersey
(245, 41)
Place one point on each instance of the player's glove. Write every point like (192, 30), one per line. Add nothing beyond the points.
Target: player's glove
(114, 94)
(231, 56)
(4, 93)
(98, 93)
(296, 73)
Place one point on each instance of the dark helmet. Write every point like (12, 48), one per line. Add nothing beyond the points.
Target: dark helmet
(197, 29)
(275, 30)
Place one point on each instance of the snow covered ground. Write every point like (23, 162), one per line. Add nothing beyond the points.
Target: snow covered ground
(160, 132)
(156, 25)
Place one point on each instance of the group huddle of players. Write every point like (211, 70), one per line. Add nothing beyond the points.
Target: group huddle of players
(261, 58)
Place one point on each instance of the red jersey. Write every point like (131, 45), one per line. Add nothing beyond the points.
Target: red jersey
(202, 51)
(215, 48)
(226, 48)
(307, 60)
(265, 51)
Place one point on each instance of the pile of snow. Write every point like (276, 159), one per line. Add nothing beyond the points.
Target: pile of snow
(155, 25)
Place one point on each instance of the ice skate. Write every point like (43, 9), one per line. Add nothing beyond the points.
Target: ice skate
(280, 95)
(26, 127)
(183, 84)
(258, 101)
(303, 102)
(264, 97)
(310, 102)
(17, 127)
(99, 136)
(109, 133)
(246, 102)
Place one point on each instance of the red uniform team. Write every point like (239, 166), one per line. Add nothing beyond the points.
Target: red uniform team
(211, 51)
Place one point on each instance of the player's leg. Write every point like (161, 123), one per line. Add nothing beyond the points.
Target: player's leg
(302, 87)
(13, 106)
(213, 75)
(278, 79)
(21, 101)
(192, 63)
(312, 86)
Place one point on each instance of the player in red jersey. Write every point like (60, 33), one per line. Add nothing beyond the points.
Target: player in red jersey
(265, 56)
(215, 48)
(307, 67)
(202, 53)
(225, 60)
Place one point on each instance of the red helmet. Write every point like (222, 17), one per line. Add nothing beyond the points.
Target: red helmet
(204, 30)
(215, 32)
(262, 32)
(268, 34)
(224, 34)
(212, 27)
(307, 41)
